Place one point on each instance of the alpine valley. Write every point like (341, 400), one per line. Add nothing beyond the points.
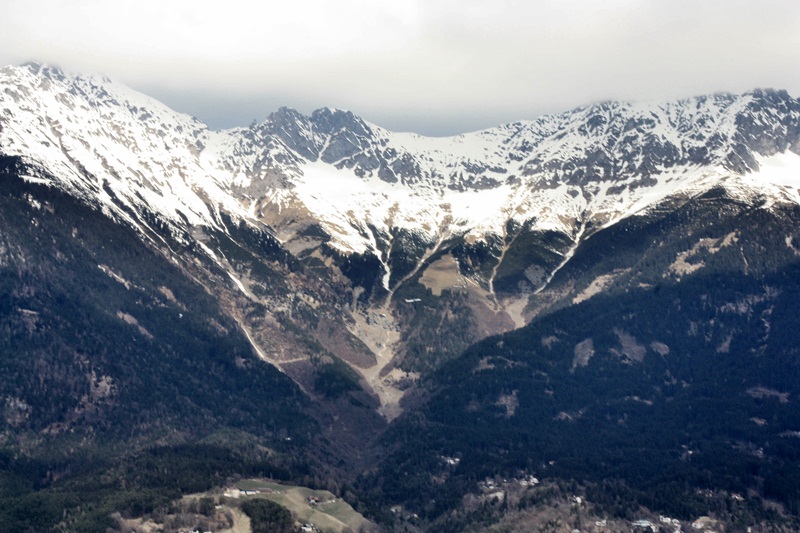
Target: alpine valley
(589, 321)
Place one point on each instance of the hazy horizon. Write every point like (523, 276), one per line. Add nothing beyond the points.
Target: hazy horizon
(439, 67)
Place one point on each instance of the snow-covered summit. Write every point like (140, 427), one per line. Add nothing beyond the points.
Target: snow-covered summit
(109, 144)
(131, 154)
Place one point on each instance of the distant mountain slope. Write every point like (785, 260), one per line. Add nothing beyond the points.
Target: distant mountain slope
(108, 350)
(104, 334)
(671, 389)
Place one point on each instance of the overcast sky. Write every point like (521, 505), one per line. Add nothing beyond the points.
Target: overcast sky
(432, 66)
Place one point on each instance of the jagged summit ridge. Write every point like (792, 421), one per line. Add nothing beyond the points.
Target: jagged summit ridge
(595, 163)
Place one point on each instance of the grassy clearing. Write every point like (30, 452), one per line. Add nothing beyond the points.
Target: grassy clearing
(441, 275)
(330, 514)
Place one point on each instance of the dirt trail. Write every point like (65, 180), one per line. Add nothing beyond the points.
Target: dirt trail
(241, 522)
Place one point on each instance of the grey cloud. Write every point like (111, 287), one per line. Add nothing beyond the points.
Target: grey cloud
(437, 67)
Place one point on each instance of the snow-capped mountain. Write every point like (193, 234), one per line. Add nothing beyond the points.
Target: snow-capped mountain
(646, 255)
(495, 213)
(593, 164)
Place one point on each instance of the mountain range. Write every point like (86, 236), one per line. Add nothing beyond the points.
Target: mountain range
(582, 275)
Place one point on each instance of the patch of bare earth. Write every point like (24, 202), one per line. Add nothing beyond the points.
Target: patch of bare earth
(682, 266)
(660, 348)
(584, 351)
(598, 285)
(442, 274)
(790, 244)
(515, 309)
(629, 347)
(510, 402)
(764, 392)
(169, 295)
(130, 319)
(241, 522)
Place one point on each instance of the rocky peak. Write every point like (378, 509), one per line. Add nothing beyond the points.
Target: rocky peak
(295, 131)
(329, 121)
(770, 123)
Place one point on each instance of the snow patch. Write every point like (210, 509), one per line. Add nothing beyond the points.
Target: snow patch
(782, 169)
